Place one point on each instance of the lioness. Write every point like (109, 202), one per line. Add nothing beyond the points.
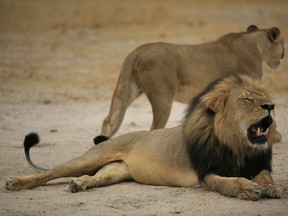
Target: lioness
(167, 72)
(224, 145)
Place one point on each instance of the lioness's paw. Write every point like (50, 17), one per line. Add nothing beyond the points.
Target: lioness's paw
(75, 186)
(13, 184)
(250, 192)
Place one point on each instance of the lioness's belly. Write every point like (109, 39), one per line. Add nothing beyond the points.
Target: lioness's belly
(161, 159)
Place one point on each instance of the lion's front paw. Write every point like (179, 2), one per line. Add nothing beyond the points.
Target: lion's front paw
(75, 186)
(275, 191)
(250, 192)
(13, 184)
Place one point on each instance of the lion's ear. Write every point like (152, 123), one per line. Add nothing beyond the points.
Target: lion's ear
(216, 105)
(273, 34)
(252, 28)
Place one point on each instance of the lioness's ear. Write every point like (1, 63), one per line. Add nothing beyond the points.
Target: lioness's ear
(273, 34)
(252, 28)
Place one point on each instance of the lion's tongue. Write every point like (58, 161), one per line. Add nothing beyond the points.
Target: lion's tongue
(259, 131)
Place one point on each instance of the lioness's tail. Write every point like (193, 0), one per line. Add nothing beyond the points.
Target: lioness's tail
(126, 91)
(29, 141)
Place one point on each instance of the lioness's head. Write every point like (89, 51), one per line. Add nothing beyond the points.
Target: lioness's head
(272, 44)
(235, 111)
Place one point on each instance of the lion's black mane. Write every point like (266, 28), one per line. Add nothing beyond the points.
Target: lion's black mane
(213, 157)
(210, 156)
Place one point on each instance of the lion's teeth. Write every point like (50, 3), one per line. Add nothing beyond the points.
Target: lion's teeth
(258, 132)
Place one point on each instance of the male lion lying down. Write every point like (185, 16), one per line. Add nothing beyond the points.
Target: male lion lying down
(223, 145)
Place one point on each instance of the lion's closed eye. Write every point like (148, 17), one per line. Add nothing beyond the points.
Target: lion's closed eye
(248, 99)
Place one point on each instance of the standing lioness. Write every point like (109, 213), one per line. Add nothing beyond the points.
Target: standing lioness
(167, 72)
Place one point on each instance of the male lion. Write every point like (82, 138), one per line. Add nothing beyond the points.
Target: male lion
(224, 145)
(167, 72)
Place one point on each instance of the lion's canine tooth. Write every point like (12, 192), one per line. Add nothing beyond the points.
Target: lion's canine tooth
(258, 132)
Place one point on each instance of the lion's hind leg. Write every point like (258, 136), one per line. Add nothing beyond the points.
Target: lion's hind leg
(109, 174)
(233, 187)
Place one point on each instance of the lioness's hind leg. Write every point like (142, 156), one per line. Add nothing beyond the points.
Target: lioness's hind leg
(161, 113)
(160, 92)
(109, 174)
(161, 108)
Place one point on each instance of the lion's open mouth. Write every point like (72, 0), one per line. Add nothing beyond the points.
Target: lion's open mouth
(257, 132)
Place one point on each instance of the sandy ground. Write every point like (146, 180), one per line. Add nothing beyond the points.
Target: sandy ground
(59, 63)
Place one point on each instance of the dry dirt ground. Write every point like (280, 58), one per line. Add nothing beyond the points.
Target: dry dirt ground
(59, 63)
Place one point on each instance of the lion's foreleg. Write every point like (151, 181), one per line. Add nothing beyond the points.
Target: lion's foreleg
(109, 174)
(233, 187)
(269, 188)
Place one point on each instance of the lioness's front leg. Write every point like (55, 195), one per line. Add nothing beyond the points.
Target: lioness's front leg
(269, 188)
(233, 187)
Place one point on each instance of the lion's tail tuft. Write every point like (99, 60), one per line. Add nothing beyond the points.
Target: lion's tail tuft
(30, 140)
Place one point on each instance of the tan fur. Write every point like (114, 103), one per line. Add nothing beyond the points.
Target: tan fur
(161, 157)
(167, 72)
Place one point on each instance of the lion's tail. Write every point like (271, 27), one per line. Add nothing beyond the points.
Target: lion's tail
(30, 140)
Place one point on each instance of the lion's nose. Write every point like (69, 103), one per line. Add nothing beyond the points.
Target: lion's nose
(268, 107)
